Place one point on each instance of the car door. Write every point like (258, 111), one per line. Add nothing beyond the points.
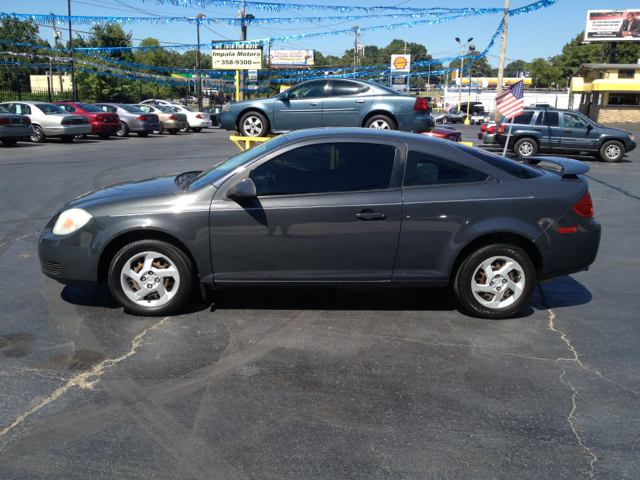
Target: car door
(345, 104)
(326, 211)
(548, 125)
(577, 133)
(301, 108)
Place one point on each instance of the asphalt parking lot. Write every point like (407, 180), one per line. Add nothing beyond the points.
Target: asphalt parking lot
(308, 383)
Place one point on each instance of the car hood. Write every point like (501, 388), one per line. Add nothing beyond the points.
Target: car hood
(613, 131)
(137, 189)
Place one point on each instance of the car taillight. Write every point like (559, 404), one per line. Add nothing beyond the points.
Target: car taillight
(5, 121)
(173, 117)
(142, 118)
(491, 129)
(198, 116)
(484, 126)
(502, 129)
(585, 206)
(421, 104)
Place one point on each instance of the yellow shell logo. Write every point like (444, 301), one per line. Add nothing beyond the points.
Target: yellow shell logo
(400, 63)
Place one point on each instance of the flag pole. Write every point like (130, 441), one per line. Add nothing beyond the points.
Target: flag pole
(504, 152)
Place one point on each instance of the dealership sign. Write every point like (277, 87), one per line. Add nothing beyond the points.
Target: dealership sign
(291, 57)
(612, 26)
(400, 63)
(249, 58)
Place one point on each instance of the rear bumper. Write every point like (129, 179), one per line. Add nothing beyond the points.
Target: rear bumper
(10, 132)
(488, 138)
(64, 130)
(197, 123)
(417, 122)
(102, 127)
(139, 126)
(173, 124)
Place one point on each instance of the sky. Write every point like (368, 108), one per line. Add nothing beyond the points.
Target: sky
(541, 33)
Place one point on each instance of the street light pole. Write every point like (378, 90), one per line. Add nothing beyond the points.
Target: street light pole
(503, 53)
(461, 67)
(471, 50)
(73, 70)
(198, 17)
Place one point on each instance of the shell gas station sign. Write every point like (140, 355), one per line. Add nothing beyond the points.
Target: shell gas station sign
(401, 63)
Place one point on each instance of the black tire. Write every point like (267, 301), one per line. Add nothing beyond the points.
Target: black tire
(197, 130)
(611, 151)
(104, 136)
(185, 129)
(253, 124)
(525, 147)
(379, 122)
(38, 134)
(67, 138)
(123, 130)
(471, 273)
(173, 131)
(160, 130)
(9, 142)
(143, 134)
(445, 119)
(81, 136)
(162, 253)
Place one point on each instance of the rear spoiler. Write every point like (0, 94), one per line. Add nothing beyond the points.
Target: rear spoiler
(563, 166)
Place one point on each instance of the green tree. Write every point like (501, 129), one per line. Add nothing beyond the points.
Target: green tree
(544, 73)
(512, 69)
(17, 76)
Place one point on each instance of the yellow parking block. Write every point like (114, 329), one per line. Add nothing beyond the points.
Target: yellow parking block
(248, 141)
(468, 144)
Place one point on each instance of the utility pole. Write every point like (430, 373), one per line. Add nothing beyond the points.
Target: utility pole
(243, 37)
(355, 48)
(198, 17)
(73, 70)
(503, 52)
(461, 67)
(57, 35)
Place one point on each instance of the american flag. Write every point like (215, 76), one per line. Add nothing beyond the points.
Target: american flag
(511, 102)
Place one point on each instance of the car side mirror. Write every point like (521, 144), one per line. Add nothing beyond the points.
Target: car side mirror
(285, 97)
(589, 126)
(245, 189)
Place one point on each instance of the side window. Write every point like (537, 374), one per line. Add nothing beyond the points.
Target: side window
(68, 108)
(308, 90)
(548, 119)
(571, 120)
(20, 109)
(425, 169)
(340, 88)
(523, 119)
(175, 109)
(326, 168)
(145, 108)
(363, 88)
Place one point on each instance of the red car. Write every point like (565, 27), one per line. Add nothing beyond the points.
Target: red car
(445, 133)
(103, 124)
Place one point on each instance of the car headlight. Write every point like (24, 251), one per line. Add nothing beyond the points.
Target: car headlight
(226, 107)
(71, 220)
(632, 138)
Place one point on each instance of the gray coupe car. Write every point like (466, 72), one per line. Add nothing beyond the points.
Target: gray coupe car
(328, 103)
(132, 119)
(333, 207)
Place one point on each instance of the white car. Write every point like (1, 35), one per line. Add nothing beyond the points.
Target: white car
(156, 101)
(50, 120)
(196, 121)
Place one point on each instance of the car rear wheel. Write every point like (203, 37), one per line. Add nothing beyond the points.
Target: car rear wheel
(185, 129)
(445, 120)
(160, 130)
(123, 130)
(381, 122)
(254, 124)
(9, 142)
(38, 135)
(525, 147)
(197, 130)
(495, 281)
(612, 151)
(81, 136)
(150, 277)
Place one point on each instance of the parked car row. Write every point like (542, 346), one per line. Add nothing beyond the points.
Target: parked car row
(67, 120)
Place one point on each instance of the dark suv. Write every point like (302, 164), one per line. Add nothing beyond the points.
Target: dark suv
(552, 130)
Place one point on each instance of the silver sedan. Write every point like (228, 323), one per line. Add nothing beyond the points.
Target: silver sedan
(50, 120)
(14, 127)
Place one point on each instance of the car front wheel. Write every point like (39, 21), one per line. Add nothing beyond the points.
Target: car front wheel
(495, 281)
(254, 124)
(381, 122)
(445, 120)
(612, 151)
(150, 277)
(525, 147)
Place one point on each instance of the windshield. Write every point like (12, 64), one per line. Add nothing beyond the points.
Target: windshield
(131, 109)
(209, 176)
(49, 109)
(90, 108)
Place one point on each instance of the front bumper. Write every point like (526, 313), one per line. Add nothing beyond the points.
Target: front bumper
(631, 145)
(74, 258)
(64, 130)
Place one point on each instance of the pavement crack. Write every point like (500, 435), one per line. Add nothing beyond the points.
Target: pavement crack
(85, 380)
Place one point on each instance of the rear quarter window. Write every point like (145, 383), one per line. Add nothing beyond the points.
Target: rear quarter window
(506, 165)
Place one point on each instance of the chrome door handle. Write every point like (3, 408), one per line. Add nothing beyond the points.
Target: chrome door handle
(313, 104)
(359, 101)
(537, 128)
(371, 216)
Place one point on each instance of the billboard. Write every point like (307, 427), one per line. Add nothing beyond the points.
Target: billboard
(523, 74)
(400, 63)
(249, 58)
(291, 57)
(612, 26)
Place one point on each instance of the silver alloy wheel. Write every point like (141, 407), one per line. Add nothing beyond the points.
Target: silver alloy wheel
(612, 151)
(526, 149)
(37, 134)
(122, 129)
(150, 279)
(498, 282)
(252, 126)
(380, 125)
